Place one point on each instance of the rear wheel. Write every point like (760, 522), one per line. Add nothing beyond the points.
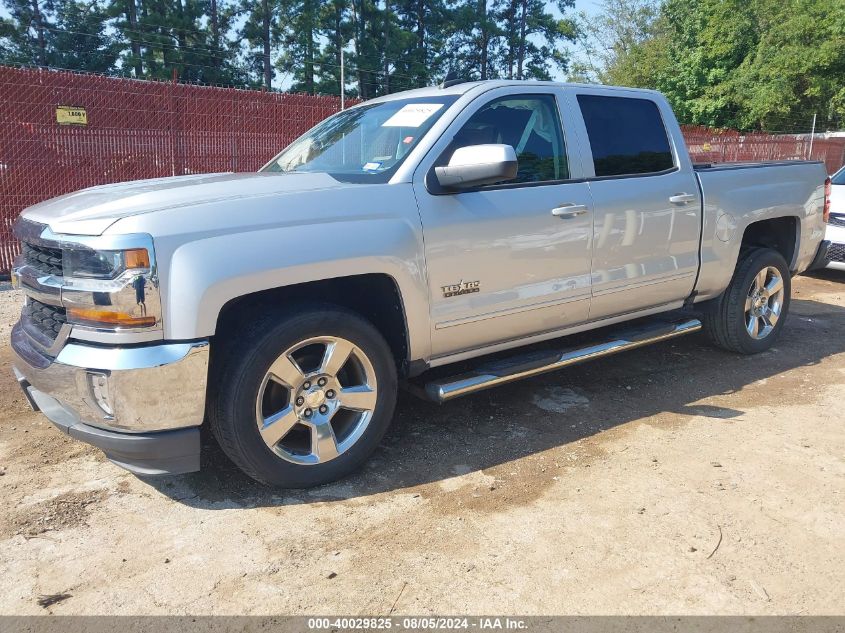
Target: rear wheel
(749, 316)
(305, 398)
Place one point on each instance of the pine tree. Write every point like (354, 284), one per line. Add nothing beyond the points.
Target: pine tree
(80, 40)
(260, 36)
(336, 29)
(534, 39)
(68, 34)
(214, 49)
(25, 32)
(476, 40)
(299, 27)
(423, 27)
(127, 23)
(367, 57)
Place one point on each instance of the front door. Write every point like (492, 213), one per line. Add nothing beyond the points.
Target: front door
(512, 259)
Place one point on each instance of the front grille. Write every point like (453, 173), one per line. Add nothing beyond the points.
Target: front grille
(45, 318)
(44, 259)
(836, 252)
(836, 220)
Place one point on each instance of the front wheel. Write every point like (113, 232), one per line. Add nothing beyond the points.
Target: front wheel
(749, 316)
(304, 398)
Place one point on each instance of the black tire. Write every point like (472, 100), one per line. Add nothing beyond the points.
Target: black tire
(725, 317)
(239, 367)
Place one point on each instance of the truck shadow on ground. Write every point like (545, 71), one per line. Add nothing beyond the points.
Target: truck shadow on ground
(663, 384)
(828, 274)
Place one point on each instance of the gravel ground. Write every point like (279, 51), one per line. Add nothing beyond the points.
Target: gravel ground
(10, 308)
(676, 479)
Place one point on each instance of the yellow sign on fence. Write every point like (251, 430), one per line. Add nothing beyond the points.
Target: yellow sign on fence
(71, 115)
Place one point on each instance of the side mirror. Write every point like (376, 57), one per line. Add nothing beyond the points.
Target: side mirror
(476, 165)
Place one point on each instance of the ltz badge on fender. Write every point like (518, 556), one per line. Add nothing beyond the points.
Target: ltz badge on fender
(461, 288)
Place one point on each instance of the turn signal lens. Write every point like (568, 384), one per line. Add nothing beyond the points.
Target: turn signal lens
(86, 316)
(136, 258)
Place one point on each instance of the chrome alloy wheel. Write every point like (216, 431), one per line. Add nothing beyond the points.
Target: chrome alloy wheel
(316, 400)
(764, 303)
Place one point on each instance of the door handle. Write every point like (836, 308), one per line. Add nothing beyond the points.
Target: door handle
(569, 210)
(681, 198)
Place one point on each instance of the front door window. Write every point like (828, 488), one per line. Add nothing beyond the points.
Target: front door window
(528, 123)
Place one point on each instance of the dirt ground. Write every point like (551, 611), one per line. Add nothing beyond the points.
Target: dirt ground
(676, 479)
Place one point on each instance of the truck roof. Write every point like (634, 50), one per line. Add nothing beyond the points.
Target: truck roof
(467, 86)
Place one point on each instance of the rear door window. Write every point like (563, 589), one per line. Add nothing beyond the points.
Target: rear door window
(627, 135)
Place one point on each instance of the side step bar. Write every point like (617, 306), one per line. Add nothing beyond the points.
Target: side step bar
(532, 364)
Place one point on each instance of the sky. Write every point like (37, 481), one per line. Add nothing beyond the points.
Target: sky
(587, 6)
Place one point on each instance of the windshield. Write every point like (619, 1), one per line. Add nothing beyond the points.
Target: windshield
(838, 177)
(366, 143)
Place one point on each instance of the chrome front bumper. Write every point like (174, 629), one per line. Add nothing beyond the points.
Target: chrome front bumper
(142, 405)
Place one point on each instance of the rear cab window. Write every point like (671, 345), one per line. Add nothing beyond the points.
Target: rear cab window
(627, 136)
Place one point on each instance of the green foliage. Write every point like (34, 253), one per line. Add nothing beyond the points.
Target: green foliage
(299, 27)
(514, 39)
(79, 39)
(25, 33)
(797, 67)
(59, 33)
(336, 30)
(389, 45)
(746, 64)
(420, 53)
(613, 39)
(367, 64)
(259, 35)
(749, 64)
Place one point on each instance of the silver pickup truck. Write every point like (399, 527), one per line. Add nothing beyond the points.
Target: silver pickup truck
(452, 224)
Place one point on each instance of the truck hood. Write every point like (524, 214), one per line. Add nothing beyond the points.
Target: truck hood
(91, 211)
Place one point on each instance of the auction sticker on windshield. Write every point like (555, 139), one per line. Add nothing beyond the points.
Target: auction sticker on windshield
(412, 115)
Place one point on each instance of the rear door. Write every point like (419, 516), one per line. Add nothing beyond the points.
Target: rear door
(647, 206)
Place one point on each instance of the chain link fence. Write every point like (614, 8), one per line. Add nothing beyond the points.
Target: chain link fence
(126, 129)
(708, 145)
(63, 131)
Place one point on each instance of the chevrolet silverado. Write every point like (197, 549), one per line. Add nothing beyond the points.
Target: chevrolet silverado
(419, 230)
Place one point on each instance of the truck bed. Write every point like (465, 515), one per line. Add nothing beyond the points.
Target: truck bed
(736, 195)
(751, 164)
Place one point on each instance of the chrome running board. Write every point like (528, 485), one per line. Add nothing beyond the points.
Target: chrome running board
(508, 370)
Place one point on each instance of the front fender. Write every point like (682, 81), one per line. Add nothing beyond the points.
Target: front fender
(208, 273)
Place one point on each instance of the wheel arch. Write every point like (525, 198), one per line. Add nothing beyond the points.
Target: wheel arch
(721, 255)
(375, 296)
(781, 234)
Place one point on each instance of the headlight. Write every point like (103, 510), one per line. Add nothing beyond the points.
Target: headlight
(111, 289)
(93, 264)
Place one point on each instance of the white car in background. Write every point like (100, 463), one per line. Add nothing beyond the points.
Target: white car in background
(836, 224)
